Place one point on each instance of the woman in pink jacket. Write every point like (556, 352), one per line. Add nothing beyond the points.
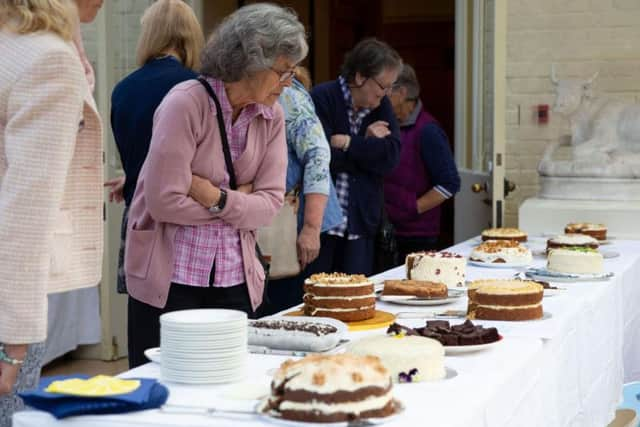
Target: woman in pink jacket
(191, 236)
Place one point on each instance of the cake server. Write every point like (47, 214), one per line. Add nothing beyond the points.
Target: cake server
(447, 314)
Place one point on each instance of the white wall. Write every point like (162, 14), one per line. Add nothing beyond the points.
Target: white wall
(581, 37)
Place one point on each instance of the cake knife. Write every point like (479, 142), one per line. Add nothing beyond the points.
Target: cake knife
(259, 349)
(448, 314)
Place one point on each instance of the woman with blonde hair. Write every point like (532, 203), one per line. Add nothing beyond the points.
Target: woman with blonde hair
(168, 51)
(50, 174)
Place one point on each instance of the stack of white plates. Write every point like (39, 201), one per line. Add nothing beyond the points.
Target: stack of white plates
(205, 346)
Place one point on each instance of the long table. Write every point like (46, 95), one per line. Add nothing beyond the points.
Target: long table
(564, 370)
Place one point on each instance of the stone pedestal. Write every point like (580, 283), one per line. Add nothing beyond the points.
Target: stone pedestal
(539, 215)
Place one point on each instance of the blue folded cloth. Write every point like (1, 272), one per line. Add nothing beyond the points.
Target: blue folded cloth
(151, 394)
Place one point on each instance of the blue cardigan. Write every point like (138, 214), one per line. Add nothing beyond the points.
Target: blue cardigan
(133, 102)
(366, 161)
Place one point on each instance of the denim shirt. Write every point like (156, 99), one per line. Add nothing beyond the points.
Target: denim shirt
(309, 154)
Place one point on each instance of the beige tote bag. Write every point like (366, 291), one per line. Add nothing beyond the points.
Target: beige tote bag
(278, 240)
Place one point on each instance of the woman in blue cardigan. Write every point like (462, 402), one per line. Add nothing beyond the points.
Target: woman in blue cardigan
(359, 123)
(168, 51)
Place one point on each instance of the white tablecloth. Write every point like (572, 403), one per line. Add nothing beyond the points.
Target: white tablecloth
(565, 370)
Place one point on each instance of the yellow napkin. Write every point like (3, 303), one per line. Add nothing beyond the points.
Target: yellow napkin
(100, 385)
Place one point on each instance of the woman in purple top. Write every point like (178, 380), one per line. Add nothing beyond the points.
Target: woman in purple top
(426, 175)
(191, 238)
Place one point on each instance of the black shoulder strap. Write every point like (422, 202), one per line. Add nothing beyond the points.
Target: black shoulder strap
(223, 134)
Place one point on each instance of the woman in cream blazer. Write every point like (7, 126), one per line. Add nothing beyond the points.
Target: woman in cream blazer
(50, 182)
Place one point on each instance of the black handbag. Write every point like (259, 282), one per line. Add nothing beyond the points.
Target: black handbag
(386, 245)
(234, 185)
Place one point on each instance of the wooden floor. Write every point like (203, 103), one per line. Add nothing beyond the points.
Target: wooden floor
(66, 365)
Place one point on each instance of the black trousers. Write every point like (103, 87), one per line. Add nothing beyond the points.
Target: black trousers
(144, 320)
(339, 254)
(407, 245)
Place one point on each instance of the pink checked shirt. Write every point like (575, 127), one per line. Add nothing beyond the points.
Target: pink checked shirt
(197, 248)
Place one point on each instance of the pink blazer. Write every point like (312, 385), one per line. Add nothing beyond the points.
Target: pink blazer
(185, 141)
(51, 174)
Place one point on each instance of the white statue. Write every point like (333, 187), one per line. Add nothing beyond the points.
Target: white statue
(605, 133)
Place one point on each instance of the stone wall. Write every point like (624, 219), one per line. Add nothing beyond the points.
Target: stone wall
(580, 37)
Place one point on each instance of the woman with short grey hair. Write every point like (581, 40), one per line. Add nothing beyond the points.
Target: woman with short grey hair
(192, 221)
(251, 39)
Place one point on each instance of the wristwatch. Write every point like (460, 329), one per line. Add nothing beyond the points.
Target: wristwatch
(222, 201)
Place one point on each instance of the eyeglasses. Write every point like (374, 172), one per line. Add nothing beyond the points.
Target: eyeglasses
(385, 89)
(284, 75)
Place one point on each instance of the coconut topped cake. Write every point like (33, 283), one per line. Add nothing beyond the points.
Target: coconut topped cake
(502, 251)
(331, 388)
(504, 233)
(346, 297)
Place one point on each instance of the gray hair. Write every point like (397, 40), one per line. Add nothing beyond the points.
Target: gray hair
(407, 79)
(369, 57)
(251, 39)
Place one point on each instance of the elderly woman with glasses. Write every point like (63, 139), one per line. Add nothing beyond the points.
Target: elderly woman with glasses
(360, 126)
(191, 236)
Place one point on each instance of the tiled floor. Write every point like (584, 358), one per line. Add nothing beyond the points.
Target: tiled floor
(66, 365)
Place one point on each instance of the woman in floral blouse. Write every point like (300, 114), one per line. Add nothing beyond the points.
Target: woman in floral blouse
(309, 156)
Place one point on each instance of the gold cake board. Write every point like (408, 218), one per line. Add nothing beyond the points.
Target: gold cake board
(380, 320)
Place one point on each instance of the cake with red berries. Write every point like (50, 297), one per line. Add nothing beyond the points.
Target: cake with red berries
(440, 267)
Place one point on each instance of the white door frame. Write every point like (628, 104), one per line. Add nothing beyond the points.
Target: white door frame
(499, 108)
(469, 119)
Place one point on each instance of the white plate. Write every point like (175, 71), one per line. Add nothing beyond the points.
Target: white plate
(153, 354)
(450, 373)
(552, 292)
(606, 254)
(462, 349)
(498, 264)
(274, 418)
(544, 275)
(454, 296)
(203, 381)
(211, 316)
